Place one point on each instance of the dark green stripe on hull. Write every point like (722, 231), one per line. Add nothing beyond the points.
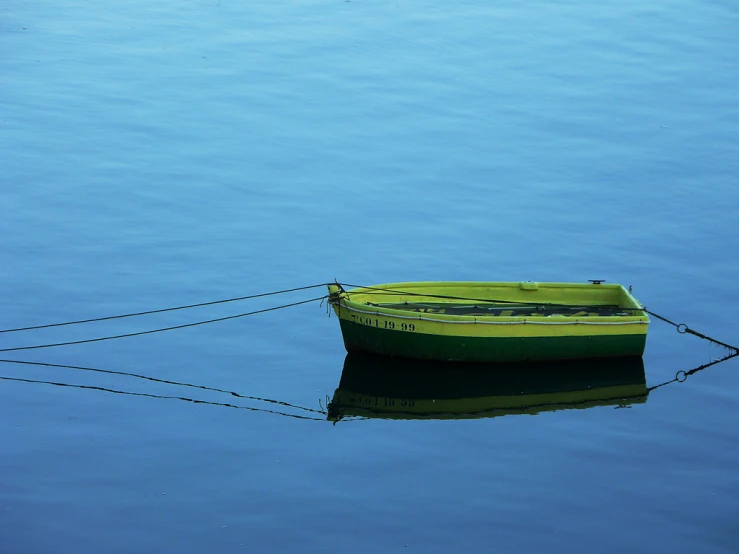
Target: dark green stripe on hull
(478, 349)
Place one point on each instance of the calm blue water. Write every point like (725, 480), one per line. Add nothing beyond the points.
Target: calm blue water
(160, 154)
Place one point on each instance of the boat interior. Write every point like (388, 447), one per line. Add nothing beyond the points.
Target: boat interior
(502, 299)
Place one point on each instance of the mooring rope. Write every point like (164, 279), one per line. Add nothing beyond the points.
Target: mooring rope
(160, 330)
(162, 310)
(682, 328)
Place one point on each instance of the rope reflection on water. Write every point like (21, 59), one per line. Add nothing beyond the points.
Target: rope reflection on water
(165, 397)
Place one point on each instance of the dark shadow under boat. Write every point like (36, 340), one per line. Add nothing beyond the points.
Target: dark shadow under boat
(393, 388)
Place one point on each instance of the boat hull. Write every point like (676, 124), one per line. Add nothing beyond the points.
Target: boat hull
(464, 348)
(437, 335)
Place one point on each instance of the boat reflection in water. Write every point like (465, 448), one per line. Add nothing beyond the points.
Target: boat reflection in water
(393, 388)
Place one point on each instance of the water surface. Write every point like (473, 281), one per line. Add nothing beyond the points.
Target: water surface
(159, 155)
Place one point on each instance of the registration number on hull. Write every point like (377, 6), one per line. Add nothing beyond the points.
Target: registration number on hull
(382, 324)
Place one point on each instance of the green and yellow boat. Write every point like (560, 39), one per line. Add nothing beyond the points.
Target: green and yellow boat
(393, 388)
(491, 322)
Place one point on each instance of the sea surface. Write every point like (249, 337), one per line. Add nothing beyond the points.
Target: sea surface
(162, 154)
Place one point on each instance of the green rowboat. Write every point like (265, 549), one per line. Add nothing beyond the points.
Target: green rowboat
(491, 322)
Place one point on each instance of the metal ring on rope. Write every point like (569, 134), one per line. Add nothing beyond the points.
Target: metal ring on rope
(682, 328)
(681, 376)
